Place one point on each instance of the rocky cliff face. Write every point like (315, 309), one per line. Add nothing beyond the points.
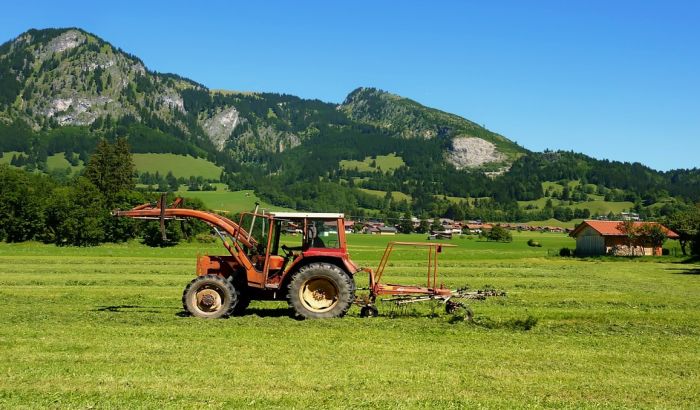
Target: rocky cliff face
(470, 152)
(220, 126)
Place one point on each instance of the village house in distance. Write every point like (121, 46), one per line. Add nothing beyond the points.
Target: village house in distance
(607, 238)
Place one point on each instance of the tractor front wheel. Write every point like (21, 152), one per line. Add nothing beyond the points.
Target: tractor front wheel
(210, 296)
(321, 290)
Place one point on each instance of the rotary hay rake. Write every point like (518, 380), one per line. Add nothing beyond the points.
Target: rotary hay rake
(404, 295)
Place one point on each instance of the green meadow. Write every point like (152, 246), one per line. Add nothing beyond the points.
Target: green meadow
(102, 327)
(396, 196)
(598, 206)
(370, 164)
(229, 202)
(181, 165)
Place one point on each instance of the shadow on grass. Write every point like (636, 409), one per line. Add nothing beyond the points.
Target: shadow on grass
(691, 259)
(131, 308)
(510, 324)
(680, 271)
(268, 312)
(260, 312)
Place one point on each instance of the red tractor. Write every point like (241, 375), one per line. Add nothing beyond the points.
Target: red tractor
(316, 277)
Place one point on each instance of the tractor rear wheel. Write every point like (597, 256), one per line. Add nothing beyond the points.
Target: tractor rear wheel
(210, 296)
(321, 290)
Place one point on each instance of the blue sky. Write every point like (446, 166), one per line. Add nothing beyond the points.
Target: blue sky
(611, 79)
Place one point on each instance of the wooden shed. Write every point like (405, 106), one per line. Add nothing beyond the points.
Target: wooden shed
(606, 238)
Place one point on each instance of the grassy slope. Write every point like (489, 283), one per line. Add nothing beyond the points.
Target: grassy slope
(384, 162)
(604, 208)
(7, 156)
(107, 333)
(231, 202)
(555, 222)
(59, 161)
(180, 165)
(396, 196)
(599, 206)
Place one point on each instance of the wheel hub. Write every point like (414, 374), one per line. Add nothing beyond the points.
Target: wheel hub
(319, 294)
(208, 300)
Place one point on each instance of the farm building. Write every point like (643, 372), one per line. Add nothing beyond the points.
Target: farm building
(379, 230)
(607, 238)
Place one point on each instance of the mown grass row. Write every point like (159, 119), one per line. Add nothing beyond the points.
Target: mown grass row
(102, 327)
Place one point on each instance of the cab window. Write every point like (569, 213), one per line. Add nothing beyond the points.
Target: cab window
(321, 233)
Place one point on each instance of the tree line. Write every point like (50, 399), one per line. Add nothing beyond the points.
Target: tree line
(35, 206)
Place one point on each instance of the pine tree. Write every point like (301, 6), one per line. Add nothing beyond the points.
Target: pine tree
(122, 176)
(97, 169)
(406, 225)
(423, 226)
(111, 168)
(173, 184)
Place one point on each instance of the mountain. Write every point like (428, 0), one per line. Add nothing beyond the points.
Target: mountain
(61, 90)
(471, 144)
(68, 77)
(72, 78)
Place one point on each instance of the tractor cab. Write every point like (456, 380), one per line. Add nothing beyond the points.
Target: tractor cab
(284, 241)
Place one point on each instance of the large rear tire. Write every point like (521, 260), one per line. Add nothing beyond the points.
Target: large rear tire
(321, 291)
(210, 297)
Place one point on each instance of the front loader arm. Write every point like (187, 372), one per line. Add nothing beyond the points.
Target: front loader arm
(161, 212)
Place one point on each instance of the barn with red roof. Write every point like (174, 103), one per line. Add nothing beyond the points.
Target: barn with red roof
(609, 238)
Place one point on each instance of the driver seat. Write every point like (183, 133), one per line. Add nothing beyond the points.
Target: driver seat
(276, 262)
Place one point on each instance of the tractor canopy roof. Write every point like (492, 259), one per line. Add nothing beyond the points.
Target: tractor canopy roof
(301, 215)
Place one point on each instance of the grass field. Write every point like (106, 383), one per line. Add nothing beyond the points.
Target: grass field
(231, 202)
(396, 196)
(384, 162)
(102, 327)
(554, 222)
(180, 165)
(597, 206)
(7, 156)
(59, 161)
